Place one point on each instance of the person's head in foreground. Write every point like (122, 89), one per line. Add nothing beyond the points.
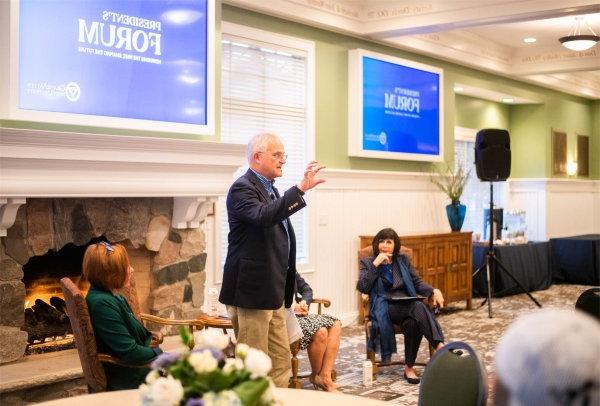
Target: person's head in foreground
(549, 357)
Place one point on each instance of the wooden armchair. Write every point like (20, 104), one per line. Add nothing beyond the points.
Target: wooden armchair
(368, 252)
(295, 349)
(85, 340)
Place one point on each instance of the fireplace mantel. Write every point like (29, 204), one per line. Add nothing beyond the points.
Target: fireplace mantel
(36, 163)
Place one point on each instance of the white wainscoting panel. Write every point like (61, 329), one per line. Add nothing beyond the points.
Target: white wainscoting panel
(353, 203)
(573, 207)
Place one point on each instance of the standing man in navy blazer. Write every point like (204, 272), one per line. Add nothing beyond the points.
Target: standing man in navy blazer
(260, 268)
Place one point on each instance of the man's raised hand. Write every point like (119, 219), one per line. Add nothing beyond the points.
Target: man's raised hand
(310, 180)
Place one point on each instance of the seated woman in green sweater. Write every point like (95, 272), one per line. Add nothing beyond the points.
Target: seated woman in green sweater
(117, 331)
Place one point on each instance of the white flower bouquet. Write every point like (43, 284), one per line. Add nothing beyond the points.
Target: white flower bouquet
(205, 377)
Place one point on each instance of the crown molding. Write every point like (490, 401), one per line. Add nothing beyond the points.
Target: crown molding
(431, 28)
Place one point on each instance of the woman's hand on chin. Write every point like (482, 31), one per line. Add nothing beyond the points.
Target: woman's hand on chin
(382, 258)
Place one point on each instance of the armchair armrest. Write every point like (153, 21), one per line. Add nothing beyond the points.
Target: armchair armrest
(170, 322)
(321, 302)
(364, 298)
(109, 359)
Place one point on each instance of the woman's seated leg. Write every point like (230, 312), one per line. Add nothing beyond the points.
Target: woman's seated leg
(316, 351)
(323, 366)
(412, 341)
(333, 344)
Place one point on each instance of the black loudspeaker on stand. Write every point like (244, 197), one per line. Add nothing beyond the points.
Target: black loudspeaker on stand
(492, 162)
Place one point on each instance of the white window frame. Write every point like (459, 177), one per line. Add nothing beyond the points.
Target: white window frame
(274, 39)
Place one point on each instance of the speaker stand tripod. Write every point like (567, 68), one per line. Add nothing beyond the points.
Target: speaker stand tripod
(492, 263)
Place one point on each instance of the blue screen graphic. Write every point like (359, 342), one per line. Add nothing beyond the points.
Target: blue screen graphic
(400, 108)
(135, 59)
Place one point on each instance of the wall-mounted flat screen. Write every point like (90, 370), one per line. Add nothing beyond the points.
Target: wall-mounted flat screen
(395, 108)
(136, 64)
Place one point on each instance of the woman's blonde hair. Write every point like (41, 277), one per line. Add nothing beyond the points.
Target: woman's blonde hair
(105, 266)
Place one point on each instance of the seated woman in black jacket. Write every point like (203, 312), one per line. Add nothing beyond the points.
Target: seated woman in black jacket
(117, 330)
(321, 335)
(393, 287)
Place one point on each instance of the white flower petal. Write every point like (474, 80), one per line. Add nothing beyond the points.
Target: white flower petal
(257, 362)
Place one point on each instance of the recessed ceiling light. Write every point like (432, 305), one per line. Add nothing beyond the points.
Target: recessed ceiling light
(458, 89)
(529, 40)
(507, 100)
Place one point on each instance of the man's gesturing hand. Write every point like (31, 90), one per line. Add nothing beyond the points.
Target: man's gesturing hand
(310, 180)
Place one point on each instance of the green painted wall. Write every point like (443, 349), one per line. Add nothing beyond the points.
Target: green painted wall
(531, 129)
(471, 112)
(529, 125)
(529, 140)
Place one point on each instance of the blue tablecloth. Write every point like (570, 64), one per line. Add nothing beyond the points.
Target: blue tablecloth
(576, 259)
(528, 263)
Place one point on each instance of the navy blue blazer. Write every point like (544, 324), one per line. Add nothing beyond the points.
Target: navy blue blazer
(260, 267)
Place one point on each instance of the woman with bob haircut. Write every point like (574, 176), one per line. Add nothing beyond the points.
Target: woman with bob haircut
(117, 330)
(395, 292)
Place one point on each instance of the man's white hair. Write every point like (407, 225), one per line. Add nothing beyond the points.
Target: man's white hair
(551, 358)
(259, 143)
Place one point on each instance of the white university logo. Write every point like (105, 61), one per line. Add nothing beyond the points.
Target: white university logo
(72, 91)
(382, 138)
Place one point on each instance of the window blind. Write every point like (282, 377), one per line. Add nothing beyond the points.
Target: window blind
(263, 89)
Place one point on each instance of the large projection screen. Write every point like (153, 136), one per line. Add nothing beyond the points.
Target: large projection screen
(395, 108)
(135, 64)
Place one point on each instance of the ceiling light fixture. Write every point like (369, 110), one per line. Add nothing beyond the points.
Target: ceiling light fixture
(576, 41)
(458, 88)
(529, 40)
(507, 100)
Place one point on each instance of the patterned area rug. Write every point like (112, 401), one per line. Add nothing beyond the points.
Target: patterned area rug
(471, 326)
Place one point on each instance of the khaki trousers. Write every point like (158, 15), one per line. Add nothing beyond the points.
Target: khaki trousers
(265, 330)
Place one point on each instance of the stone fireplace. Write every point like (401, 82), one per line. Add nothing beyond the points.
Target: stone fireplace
(61, 191)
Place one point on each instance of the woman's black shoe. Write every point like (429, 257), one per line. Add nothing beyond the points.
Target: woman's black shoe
(412, 381)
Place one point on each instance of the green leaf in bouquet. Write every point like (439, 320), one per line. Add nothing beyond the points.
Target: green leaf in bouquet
(250, 392)
(185, 335)
(195, 389)
(218, 381)
(184, 372)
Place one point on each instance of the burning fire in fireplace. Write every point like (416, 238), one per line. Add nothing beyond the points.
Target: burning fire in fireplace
(47, 287)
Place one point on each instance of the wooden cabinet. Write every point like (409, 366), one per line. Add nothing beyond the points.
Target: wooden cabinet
(443, 260)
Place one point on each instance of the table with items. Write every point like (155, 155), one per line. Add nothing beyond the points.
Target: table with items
(529, 263)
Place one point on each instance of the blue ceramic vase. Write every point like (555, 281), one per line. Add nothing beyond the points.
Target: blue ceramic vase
(456, 215)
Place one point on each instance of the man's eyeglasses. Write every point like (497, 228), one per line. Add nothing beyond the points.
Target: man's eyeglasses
(109, 248)
(280, 156)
